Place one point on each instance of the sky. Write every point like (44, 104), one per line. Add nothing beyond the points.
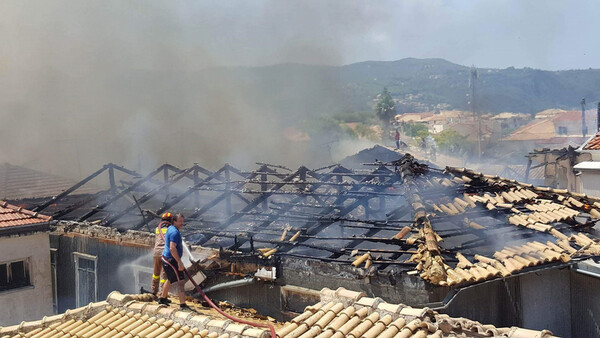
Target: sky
(552, 35)
(84, 83)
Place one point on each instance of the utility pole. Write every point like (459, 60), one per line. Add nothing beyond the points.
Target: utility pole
(583, 125)
(598, 118)
(475, 76)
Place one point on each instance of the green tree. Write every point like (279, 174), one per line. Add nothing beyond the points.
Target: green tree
(416, 130)
(450, 139)
(385, 108)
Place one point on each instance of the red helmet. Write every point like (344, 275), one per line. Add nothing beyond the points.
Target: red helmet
(167, 216)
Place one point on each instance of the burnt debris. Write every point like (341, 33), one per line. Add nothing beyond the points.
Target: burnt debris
(452, 226)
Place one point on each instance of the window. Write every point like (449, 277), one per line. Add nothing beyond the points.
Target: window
(86, 281)
(562, 130)
(142, 277)
(53, 259)
(14, 274)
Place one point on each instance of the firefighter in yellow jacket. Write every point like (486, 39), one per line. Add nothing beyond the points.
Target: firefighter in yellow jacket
(158, 275)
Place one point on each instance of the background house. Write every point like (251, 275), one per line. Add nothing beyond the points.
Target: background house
(26, 285)
(553, 129)
(589, 170)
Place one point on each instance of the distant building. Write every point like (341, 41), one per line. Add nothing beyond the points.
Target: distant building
(26, 283)
(435, 122)
(575, 169)
(509, 121)
(589, 170)
(553, 129)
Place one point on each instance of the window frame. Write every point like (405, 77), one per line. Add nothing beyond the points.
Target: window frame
(76, 257)
(137, 269)
(27, 269)
(562, 130)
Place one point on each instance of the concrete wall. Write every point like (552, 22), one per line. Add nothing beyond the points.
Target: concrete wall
(495, 302)
(560, 300)
(585, 305)
(265, 297)
(590, 182)
(393, 287)
(32, 302)
(545, 301)
(115, 265)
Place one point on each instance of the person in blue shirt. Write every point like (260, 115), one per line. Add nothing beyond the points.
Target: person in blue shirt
(172, 264)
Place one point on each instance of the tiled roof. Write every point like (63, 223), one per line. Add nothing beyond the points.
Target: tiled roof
(510, 171)
(536, 130)
(537, 209)
(544, 128)
(412, 117)
(574, 115)
(593, 143)
(18, 182)
(131, 316)
(344, 313)
(11, 215)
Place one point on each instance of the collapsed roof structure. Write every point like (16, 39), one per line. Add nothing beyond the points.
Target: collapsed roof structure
(452, 226)
(400, 229)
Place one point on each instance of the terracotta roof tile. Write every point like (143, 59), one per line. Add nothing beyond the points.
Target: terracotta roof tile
(11, 215)
(538, 209)
(593, 144)
(409, 322)
(132, 316)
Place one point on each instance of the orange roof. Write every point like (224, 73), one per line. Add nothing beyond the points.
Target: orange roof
(412, 117)
(11, 215)
(347, 313)
(593, 144)
(536, 130)
(574, 115)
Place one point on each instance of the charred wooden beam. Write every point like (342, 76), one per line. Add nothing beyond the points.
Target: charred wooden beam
(65, 193)
(145, 198)
(120, 194)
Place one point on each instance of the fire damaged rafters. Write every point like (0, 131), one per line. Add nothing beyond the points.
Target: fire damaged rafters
(451, 226)
(303, 171)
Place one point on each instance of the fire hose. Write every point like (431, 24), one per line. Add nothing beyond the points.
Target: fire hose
(213, 305)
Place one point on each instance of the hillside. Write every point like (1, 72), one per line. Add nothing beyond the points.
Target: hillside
(422, 84)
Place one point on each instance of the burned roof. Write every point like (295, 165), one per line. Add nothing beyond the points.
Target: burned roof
(451, 226)
(133, 315)
(345, 313)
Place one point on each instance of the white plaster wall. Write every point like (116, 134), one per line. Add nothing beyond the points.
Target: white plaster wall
(34, 302)
(595, 155)
(590, 182)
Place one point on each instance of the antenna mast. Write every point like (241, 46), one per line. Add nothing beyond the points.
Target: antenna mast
(475, 76)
